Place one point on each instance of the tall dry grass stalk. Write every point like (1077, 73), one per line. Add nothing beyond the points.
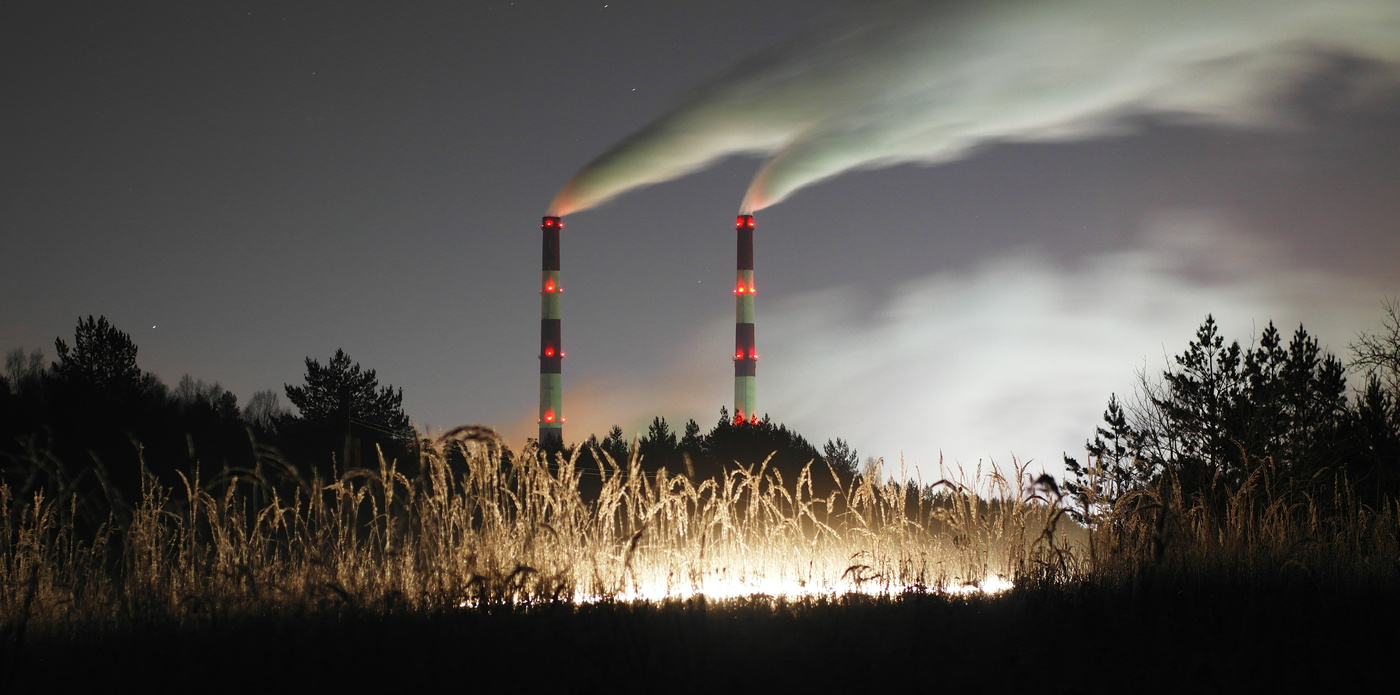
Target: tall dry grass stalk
(473, 531)
(1270, 528)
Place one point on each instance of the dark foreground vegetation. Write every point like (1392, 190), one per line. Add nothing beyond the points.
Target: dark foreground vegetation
(1234, 528)
(1284, 636)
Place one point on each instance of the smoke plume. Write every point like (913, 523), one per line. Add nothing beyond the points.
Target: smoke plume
(900, 82)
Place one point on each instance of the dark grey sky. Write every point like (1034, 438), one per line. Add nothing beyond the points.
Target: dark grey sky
(241, 185)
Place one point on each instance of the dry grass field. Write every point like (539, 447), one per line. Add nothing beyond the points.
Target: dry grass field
(479, 567)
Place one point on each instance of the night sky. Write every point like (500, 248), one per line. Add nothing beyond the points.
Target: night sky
(242, 185)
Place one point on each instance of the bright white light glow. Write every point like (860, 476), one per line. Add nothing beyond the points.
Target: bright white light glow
(792, 589)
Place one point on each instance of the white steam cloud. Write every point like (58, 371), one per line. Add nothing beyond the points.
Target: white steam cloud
(1015, 356)
(928, 81)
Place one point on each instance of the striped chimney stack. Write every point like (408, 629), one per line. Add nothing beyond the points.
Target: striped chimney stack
(551, 346)
(745, 352)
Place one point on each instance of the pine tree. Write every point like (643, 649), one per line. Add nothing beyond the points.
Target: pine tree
(343, 393)
(1202, 394)
(691, 440)
(1222, 411)
(659, 448)
(1114, 464)
(841, 457)
(344, 411)
(101, 363)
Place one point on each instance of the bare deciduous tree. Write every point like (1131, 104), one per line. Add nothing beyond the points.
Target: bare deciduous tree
(23, 370)
(264, 410)
(1378, 354)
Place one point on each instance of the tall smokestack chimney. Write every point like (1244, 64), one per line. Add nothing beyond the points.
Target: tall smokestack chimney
(745, 351)
(551, 345)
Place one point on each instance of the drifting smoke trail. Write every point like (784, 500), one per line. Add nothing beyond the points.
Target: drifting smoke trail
(927, 82)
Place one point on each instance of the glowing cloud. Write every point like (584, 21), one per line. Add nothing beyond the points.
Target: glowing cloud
(927, 82)
(1015, 355)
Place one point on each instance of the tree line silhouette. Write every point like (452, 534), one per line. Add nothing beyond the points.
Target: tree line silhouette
(725, 446)
(1221, 414)
(93, 418)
